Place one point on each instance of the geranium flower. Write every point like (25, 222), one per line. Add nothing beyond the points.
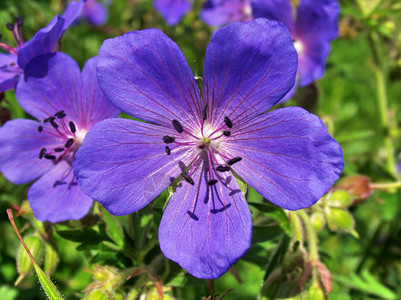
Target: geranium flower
(223, 12)
(95, 12)
(67, 103)
(286, 155)
(315, 27)
(12, 64)
(172, 10)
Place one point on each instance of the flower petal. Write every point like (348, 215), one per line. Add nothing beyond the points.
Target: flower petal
(288, 157)
(248, 68)
(44, 41)
(145, 74)
(279, 10)
(208, 239)
(172, 10)
(219, 13)
(57, 197)
(317, 20)
(71, 13)
(94, 105)
(9, 71)
(52, 83)
(123, 165)
(95, 13)
(20, 144)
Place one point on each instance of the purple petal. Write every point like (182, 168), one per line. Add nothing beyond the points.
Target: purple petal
(279, 10)
(248, 68)
(208, 239)
(317, 20)
(9, 71)
(123, 165)
(44, 41)
(57, 197)
(145, 74)
(20, 144)
(94, 105)
(95, 13)
(53, 83)
(219, 13)
(71, 13)
(288, 157)
(172, 10)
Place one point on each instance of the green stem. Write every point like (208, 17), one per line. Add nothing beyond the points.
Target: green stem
(387, 185)
(297, 227)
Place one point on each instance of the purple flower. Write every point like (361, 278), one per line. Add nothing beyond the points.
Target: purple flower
(316, 25)
(222, 12)
(94, 12)
(286, 155)
(172, 10)
(67, 103)
(12, 65)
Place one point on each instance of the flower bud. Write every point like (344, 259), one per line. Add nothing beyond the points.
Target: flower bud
(316, 293)
(51, 259)
(358, 186)
(24, 264)
(340, 198)
(318, 221)
(341, 220)
(96, 295)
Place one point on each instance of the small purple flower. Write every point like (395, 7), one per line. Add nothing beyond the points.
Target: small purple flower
(223, 12)
(172, 10)
(67, 103)
(316, 25)
(198, 142)
(12, 65)
(94, 12)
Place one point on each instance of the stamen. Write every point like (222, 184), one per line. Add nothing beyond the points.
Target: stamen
(228, 122)
(168, 150)
(54, 124)
(212, 182)
(42, 152)
(227, 133)
(40, 128)
(72, 127)
(168, 139)
(59, 149)
(9, 26)
(188, 179)
(49, 156)
(204, 112)
(177, 125)
(61, 116)
(234, 160)
(59, 113)
(69, 143)
(192, 215)
(19, 21)
(48, 119)
(223, 168)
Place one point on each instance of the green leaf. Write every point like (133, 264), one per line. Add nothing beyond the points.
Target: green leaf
(113, 229)
(278, 256)
(85, 235)
(265, 233)
(366, 283)
(47, 285)
(276, 213)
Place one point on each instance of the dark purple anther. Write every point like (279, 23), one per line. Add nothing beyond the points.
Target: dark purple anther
(177, 125)
(228, 122)
(168, 139)
(204, 112)
(227, 133)
(59, 149)
(19, 21)
(72, 127)
(40, 128)
(69, 143)
(223, 168)
(168, 150)
(192, 215)
(234, 160)
(49, 156)
(9, 26)
(54, 124)
(42, 152)
(61, 112)
(188, 179)
(212, 182)
(48, 119)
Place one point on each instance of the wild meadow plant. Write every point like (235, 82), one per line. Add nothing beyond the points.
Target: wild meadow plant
(270, 174)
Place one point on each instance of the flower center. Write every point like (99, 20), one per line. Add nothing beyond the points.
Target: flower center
(70, 138)
(298, 46)
(205, 146)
